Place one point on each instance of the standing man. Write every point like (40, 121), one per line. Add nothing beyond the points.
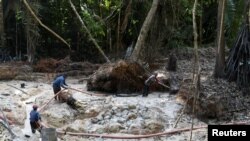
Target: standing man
(58, 83)
(35, 120)
(148, 82)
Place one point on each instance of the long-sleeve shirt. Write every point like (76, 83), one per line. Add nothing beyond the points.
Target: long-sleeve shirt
(34, 116)
(59, 82)
(150, 80)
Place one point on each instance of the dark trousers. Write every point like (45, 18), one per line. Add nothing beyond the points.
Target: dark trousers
(145, 90)
(56, 90)
(35, 125)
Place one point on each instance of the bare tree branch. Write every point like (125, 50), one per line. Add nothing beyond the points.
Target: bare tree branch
(88, 32)
(196, 69)
(44, 26)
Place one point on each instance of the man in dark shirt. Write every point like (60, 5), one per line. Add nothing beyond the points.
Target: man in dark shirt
(35, 119)
(148, 82)
(58, 83)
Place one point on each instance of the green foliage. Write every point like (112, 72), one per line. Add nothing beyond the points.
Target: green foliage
(103, 16)
(107, 3)
(96, 28)
(19, 15)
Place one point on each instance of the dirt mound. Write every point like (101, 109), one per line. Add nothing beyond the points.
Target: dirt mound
(65, 66)
(15, 71)
(119, 77)
(46, 65)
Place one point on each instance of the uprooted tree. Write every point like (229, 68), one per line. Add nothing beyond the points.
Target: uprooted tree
(121, 77)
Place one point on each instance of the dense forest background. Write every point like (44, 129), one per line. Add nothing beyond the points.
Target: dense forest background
(114, 24)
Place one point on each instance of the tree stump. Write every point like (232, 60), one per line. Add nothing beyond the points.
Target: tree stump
(49, 134)
(172, 62)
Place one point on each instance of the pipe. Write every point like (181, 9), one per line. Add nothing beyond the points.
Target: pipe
(88, 93)
(145, 136)
(131, 136)
(42, 107)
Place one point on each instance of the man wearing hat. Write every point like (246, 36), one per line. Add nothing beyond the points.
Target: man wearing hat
(35, 119)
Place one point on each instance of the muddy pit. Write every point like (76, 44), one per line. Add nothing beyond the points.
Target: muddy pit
(120, 116)
(102, 115)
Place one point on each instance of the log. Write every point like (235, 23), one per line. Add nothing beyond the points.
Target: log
(172, 63)
(65, 96)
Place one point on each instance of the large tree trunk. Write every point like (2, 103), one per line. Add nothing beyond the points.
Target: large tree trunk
(220, 55)
(144, 31)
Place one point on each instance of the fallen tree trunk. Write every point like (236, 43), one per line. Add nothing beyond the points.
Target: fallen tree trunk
(67, 97)
(63, 96)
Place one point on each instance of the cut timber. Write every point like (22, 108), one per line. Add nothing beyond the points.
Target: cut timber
(120, 77)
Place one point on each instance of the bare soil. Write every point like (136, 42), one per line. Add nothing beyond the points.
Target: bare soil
(97, 115)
